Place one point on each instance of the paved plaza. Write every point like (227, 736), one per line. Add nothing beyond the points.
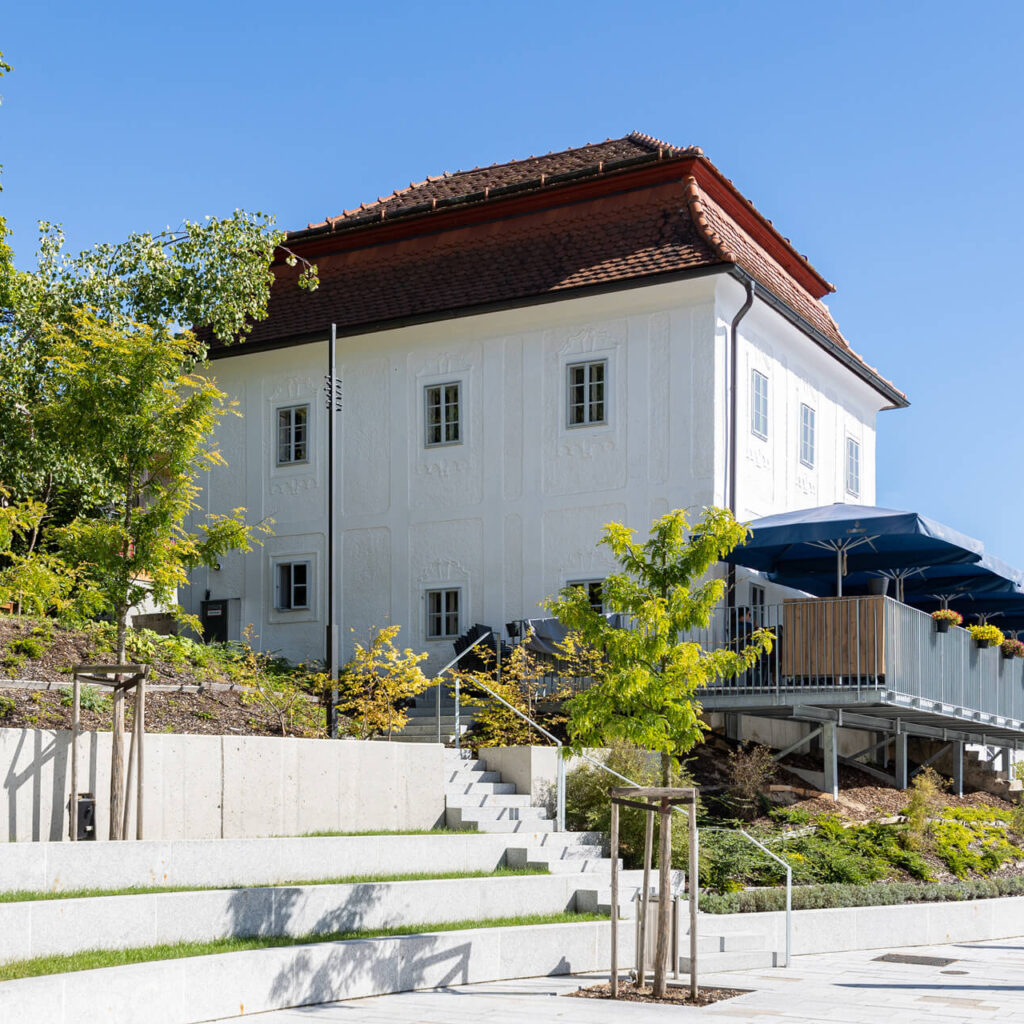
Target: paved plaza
(986, 982)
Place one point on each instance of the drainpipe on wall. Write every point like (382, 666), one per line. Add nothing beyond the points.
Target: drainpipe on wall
(734, 424)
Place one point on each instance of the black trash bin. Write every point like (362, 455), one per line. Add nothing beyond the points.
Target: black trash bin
(85, 816)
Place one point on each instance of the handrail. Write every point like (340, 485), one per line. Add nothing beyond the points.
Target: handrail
(560, 768)
(789, 880)
(454, 661)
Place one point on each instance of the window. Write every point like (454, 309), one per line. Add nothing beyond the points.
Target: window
(292, 434)
(443, 406)
(756, 596)
(292, 586)
(593, 589)
(759, 404)
(853, 466)
(442, 614)
(587, 404)
(807, 436)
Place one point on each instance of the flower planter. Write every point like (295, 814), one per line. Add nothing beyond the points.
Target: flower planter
(982, 644)
(942, 625)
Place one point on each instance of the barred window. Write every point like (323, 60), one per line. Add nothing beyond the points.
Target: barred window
(443, 403)
(292, 434)
(587, 402)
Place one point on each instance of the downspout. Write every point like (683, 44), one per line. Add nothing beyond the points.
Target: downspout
(734, 422)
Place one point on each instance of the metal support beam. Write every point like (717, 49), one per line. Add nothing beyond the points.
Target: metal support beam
(830, 751)
(884, 742)
(799, 743)
(932, 759)
(902, 777)
(958, 768)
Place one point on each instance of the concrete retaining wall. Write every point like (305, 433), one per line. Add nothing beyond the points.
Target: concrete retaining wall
(848, 928)
(200, 787)
(48, 927)
(64, 867)
(210, 987)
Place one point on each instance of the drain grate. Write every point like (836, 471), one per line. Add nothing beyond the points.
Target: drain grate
(921, 961)
(953, 972)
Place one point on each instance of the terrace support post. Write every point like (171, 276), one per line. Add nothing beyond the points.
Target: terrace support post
(732, 725)
(902, 774)
(830, 751)
(958, 767)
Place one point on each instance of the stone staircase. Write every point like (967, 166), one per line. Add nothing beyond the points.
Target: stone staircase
(982, 774)
(422, 725)
(737, 951)
(478, 799)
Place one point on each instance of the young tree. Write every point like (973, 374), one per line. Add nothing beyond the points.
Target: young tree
(648, 694)
(129, 407)
(376, 683)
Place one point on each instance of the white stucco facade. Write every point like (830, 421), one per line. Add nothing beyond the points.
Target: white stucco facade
(513, 512)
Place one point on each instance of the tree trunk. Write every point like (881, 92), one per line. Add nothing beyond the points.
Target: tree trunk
(663, 949)
(117, 739)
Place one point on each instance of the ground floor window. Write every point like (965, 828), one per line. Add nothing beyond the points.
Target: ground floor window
(292, 586)
(443, 613)
(594, 594)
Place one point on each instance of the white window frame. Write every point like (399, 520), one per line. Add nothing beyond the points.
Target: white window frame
(589, 403)
(808, 451)
(757, 595)
(759, 404)
(443, 614)
(590, 585)
(281, 585)
(447, 419)
(852, 466)
(289, 445)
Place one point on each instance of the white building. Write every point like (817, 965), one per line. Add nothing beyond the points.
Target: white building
(528, 351)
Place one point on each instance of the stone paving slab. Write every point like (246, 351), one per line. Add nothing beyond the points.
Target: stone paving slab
(846, 988)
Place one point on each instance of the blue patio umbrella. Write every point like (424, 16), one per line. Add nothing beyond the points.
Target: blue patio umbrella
(925, 583)
(813, 543)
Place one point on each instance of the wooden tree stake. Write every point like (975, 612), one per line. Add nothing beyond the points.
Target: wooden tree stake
(641, 967)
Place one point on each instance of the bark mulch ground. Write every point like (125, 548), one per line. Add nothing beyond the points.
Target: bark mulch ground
(629, 993)
(213, 713)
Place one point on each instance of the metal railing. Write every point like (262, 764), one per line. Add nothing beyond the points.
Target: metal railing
(789, 881)
(451, 664)
(949, 668)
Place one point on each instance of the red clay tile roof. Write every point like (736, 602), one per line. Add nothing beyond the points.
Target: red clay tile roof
(612, 212)
(627, 236)
(482, 183)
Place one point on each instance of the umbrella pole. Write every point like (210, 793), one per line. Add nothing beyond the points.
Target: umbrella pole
(839, 572)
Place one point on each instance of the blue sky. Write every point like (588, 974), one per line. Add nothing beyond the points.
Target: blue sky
(883, 138)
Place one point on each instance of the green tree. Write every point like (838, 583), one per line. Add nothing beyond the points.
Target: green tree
(652, 671)
(376, 684)
(128, 406)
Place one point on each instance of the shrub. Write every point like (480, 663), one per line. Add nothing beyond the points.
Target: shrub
(924, 796)
(7, 706)
(975, 842)
(749, 769)
(812, 897)
(588, 805)
(90, 697)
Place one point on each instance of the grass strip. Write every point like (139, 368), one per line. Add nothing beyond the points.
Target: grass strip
(91, 959)
(27, 895)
